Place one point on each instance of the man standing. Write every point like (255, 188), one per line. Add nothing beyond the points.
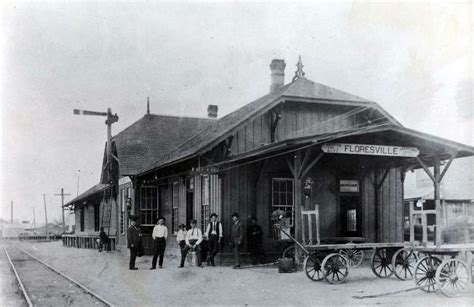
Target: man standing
(193, 241)
(160, 234)
(214, 235)
(133, 241)
(236, 238)
(254, 237)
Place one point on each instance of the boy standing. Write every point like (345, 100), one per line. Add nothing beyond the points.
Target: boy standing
(181, 237)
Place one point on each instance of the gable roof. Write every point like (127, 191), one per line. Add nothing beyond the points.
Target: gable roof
(149, 138)
(302, 89)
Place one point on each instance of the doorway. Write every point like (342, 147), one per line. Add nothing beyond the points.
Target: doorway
(350, 215)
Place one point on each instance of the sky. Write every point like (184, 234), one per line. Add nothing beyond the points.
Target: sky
(413, 58)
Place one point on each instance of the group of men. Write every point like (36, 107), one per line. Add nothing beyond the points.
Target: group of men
(191, 240)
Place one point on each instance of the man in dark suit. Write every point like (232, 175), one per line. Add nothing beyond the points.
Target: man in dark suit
(254, 242)
(133, 241)
(236, 238)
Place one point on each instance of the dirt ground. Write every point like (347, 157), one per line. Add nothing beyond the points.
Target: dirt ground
(10, 294)
(108, 275)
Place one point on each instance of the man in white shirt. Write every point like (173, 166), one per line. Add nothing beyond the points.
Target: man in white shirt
(193, 241)
(214, 235)
(160, 234)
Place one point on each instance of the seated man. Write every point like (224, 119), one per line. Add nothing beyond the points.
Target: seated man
(103, 240)
(193, 241)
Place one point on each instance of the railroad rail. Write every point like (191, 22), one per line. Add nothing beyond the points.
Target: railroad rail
(25, 289)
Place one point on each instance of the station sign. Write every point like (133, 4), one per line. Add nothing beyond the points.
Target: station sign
(349, 186)
(371, 150)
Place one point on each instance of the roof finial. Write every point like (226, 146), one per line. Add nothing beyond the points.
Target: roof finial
(148, 105)
(299, 73)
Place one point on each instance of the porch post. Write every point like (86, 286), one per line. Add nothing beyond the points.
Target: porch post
(298, 192)
(135, 197)
(436, 177)
(437, 198)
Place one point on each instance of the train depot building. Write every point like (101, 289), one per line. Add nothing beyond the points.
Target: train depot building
(303, 146)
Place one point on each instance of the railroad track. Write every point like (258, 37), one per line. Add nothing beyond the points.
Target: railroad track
(43, 285)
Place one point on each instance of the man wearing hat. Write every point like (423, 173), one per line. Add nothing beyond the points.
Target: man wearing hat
(159, 235)
(133, 241)
(236, 238)
(193, 241)
(214, 235)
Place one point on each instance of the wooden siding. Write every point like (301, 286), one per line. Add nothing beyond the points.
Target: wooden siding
(244, 194)
(181, 201)
(325, 195)
(298, 119)
(390, 214)
(215, 196)
(166, 203)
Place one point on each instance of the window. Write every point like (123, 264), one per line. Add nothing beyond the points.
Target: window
(282, 204)
(96, 217)
(148, 205)
(81, 216)
(174, 211)
(282, 195)
(205, 203)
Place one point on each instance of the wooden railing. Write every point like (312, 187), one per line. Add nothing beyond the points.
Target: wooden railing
(85, 241)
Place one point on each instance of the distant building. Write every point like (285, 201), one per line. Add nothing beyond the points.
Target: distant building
(13, 230)
(457, 194)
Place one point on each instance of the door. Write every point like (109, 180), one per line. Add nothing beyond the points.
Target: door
(350, 215)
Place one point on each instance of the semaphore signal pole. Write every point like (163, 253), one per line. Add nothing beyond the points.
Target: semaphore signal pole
(111, 118)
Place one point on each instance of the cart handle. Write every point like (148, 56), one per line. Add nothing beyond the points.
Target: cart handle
(292, 239)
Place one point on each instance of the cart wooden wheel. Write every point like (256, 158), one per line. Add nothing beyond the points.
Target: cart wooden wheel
(312, 267)
(403, 263)
(452, 277)
(335, 268)
(381, 263)
(425, 273)
(354, 256)
(289, 252)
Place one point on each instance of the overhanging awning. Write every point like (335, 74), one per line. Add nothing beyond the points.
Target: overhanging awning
(87, 195)
(428, 145)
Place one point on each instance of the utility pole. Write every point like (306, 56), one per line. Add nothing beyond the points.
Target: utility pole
(78, 176)
(11, 212)
(62, 206)
(46, 216)
(34, 218)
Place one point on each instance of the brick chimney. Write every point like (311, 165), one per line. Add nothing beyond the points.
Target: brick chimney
(277, 67)
(212, 111)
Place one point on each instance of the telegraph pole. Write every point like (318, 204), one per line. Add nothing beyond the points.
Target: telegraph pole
(78, 176)
(46, 216)
(62, 206)
(11, 212)
(34, 219)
